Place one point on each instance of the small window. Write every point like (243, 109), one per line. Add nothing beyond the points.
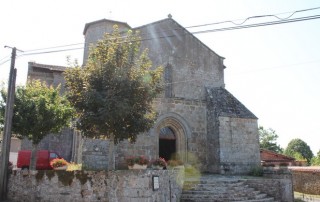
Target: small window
(168, 81)
(53, 155)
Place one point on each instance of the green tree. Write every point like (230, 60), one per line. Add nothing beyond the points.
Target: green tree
(299, 146)
(113, 92)
(315, 161)
(38, 110)
(268, 140)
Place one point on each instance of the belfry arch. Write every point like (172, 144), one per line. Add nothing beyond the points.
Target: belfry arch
(177, 130)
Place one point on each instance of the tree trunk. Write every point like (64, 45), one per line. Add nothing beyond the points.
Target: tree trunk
(111, 160)
(33, 158)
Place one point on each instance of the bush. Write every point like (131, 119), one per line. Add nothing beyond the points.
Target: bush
(174, 163)
(256, 171)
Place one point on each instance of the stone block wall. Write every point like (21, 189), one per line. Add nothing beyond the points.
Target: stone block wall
(280, 189)
(193, 112)
(239, 145)
(194, 65)
(95, 154)
(61, 143)
(116, 186)
(147, 144)
(306, 181)
(95, 31)
(51, 74)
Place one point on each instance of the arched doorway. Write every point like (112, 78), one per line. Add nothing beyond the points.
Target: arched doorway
(173, 133)
(167, 143)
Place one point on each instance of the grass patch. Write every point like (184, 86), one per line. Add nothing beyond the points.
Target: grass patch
(301, 197)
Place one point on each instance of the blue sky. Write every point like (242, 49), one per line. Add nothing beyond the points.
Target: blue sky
(273, 70)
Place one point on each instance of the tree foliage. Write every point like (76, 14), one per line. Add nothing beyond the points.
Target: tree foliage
(315, 161)
(38, 110)
(299, 146)
(113, 92)
(268, 140)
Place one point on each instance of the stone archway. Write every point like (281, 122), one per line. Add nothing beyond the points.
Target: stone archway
(180, 133)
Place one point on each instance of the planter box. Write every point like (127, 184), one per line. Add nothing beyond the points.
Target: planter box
(137, 166)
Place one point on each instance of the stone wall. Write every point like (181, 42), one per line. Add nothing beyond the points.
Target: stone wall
(95, 31)
(147, 144)
(193, 64)
(62, 143)
(192, 122)
(306, 181)
(278, 186)
(78, 186)
(239, 144)
(51, 74)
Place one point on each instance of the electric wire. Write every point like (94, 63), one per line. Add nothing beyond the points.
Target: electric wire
(5, 61)
(4, 58)
(53, 51)
(61, 46)
(260, 24)
(258, 16)
(214, 30)
(195, 32)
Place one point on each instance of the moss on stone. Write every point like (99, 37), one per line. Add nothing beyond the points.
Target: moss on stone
(65, 177)
(39, 175)
(83, 177)
(50, 174)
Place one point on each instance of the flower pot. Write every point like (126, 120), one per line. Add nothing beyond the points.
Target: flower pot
(137, 166)
(61, 168)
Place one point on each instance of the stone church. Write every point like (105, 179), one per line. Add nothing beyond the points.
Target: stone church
(198, 118)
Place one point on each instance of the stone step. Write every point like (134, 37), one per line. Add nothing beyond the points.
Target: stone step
(226, 200)
(220, 189)
(208, 194)
(215, 182)
(205, 197)
(210, 186)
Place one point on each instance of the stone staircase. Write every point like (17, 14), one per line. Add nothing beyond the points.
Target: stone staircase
(217, 188)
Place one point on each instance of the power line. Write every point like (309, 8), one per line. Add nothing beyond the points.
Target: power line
(53, 51)
(5, 61)
(5, 57)
(74, 44)
(260, 24)
(253, 17)
(283, 21)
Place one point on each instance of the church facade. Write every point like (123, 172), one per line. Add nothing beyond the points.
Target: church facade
(199, 120)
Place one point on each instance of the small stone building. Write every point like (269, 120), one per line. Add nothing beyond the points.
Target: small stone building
(198, 118)
(270, 158)
(66, 143)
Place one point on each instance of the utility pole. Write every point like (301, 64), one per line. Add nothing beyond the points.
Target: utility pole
(7, 127)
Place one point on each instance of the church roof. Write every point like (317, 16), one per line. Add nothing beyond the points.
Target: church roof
(267, 156)
(48, 67)
(223, 103)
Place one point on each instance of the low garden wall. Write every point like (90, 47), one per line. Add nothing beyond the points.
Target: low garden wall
(112, 186)
(276, 183)
(306, 180)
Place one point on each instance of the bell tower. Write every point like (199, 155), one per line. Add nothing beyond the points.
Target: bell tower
(94, 31)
